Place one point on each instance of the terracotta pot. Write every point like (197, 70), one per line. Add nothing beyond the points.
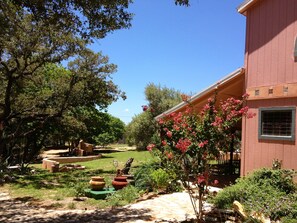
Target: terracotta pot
(97, 183)
(130, 179)
(119, 182)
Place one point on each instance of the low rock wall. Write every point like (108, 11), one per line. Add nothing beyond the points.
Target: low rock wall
(52, 164)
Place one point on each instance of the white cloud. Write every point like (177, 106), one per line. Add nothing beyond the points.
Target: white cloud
(126, 110)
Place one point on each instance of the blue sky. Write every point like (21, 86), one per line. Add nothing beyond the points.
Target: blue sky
(185, 48)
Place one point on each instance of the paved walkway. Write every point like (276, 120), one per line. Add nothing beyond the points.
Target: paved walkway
(174, 207)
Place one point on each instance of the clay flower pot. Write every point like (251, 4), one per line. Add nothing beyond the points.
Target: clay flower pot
(97, 183)
(119, 182)
(130, 178)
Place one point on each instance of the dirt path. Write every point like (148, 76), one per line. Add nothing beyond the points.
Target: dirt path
(21, 210)
(167, 208)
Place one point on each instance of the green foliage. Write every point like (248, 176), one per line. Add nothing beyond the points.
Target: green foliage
(44, 102)
(271, 192)
(124, 196)
(160, 179)
(161, 98)
(111, 131)
(141, 130)
(151, 176)
(189, 140)
(39, 98)
(104, 139)
(90, 124)
(142, 175)
(280, 179)
(89, 19)
(79, 188)
(85, 19)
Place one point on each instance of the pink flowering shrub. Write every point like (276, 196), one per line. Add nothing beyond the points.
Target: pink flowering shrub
(189, 140)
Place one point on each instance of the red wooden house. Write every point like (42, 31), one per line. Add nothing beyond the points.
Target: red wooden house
(269, 76)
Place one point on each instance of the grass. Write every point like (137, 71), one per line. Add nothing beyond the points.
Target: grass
(121, 146)
(57, 188)
(106, 163)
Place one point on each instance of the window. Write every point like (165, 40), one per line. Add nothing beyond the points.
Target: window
(277, 123)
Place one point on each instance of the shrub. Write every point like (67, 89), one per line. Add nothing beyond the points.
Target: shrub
(79, 189)
(153, 176)
(160, 179)
(279, 179)
(271, 192)
(124, 196)
(143, 181)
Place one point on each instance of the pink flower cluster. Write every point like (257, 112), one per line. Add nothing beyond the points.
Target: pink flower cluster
(202, 144)
(161, 122)
(183, 145)
(169, 134)
(218, 121)
(177, 118)
(169, 155)
(150, 147)
(202, 178)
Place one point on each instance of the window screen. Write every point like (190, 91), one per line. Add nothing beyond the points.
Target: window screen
(277, 123)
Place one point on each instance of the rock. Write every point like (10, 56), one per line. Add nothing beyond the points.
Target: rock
(239, 209)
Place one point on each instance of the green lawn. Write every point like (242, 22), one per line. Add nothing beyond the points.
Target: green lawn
(106, 163)
(57, 188)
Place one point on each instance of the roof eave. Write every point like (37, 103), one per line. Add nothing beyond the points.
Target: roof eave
(202, 93)
(245, 6)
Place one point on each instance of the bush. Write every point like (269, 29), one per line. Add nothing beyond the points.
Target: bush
(79, 189)
(160, 179)
(143, 180)
(153, 176)
(124, 196)
(279, 179)
(271, 192)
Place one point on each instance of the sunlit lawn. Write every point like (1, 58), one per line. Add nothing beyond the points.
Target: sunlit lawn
(43, 185)
(106, 163)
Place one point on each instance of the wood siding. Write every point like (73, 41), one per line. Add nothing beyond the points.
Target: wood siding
(261, 153)
(269, 62)
(271, 33)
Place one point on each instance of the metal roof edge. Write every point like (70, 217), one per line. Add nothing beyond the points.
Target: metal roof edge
(202, 93)
(245, 5)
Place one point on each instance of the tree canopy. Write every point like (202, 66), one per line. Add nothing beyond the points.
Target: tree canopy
(36, 91)
(88, 19)
(140, 131)
(47, 71)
